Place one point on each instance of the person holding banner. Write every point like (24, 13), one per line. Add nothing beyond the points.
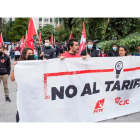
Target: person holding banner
(73, 49)
(27, 54)
(89, 50)
(122, 51)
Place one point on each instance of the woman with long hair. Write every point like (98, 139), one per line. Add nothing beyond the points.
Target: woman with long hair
(122, 51)
(27, 54)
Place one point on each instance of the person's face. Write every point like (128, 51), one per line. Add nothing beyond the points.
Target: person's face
(90, 43)
(12, 43)
(29, 52)
(138, 47)
(47, 41)
(122, 52)
(102, 51)
(75, 47)
(114, 47)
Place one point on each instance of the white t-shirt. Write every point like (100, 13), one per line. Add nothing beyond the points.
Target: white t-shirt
(17, 53)
(9, 48)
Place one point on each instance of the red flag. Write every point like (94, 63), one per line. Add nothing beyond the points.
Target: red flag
(23, 46)
(52, 38)
(26, 37)
(1, 40)
(31, 29)
(83, 40)
(22, 40)
(30, 44)
(39, 37)
(71, 35)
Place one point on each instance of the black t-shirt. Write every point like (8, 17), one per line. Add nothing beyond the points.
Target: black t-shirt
(113, 54)
(5, 65)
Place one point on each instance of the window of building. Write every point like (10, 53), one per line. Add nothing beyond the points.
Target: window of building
(10, 19)
(40, 26)
(40, 19)
(44, 24)
(50, 19)
(45, 19)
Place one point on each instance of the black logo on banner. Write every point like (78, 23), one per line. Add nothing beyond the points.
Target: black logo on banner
(118, 67)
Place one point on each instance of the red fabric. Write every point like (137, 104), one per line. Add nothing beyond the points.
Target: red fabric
(68, 55)
(1, 40)
(26, 37)
(52, 38)
(100, 55)
(31, 29)
(71, 35)
(23, 46)
(30, 44)
(22, 40)
(40, 37)
(83, 40)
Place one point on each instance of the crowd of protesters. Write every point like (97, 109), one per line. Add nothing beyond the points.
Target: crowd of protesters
(46, 50)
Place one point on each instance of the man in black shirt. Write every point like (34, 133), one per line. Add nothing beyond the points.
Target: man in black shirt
(114, 52)
(47, 51)
(5, 68)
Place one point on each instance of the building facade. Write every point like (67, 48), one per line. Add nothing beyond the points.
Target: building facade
(39, 22)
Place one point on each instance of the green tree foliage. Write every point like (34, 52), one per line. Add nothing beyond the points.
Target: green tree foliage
(121, 27)
(0, 24)
(18, 29)
(99, 28)
(5, 29)
(131, 42)
(94, 27)
(46, 31)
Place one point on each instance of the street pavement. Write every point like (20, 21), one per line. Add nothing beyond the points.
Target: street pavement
(8, 110)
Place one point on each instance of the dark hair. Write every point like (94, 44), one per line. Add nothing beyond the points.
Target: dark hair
(1, 47)
(124, 49)
(47, 39)
(22, 57)
(70, 43)
(90, 41)
(114, 45)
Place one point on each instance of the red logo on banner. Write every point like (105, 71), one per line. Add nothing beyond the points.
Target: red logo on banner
(99, 106)
(2, 61)
(121, 102)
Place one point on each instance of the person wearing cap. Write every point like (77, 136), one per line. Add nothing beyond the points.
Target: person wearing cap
(90, 50)
(95, 42)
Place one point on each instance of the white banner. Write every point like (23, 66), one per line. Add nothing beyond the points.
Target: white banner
(77, 90)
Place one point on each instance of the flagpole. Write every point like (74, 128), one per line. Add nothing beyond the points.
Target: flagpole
(86, 49)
